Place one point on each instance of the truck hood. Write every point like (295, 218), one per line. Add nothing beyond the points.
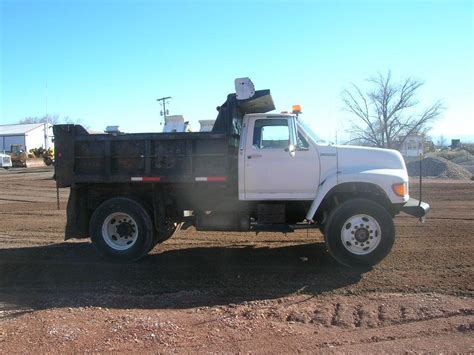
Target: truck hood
(352, 159)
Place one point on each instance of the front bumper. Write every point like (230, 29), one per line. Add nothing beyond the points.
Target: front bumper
(416, 208)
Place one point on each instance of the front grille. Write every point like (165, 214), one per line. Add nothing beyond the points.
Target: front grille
(6, 160)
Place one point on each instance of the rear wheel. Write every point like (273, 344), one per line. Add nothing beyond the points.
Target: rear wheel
(359, 232)
(122, 229)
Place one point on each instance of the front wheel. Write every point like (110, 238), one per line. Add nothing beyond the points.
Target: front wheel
(122, 229)
(359, 232)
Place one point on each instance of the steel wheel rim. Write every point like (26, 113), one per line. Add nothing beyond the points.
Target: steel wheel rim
(361, 234)
(120, 231)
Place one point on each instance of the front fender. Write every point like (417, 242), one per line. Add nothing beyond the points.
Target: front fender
(324, 187)
(382, 178)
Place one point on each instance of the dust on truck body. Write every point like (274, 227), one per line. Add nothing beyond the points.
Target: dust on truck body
(254, 171)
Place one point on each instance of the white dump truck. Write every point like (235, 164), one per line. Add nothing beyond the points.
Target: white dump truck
(254, 171)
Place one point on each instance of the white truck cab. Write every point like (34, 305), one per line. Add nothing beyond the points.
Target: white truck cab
(277, 160)
(354, 192)
(281, 158)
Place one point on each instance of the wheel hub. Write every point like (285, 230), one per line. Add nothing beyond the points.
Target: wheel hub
(361, 234)
(119, 231)
(124, 229)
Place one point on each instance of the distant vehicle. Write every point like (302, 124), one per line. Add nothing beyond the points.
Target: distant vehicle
(18, 155)
(254, 171)
(5, 161)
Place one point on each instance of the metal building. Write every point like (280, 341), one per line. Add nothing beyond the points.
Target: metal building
(30, 135)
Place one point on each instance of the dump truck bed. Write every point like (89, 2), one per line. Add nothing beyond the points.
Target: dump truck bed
(81, 157)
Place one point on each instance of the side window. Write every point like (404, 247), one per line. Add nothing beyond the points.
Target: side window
(271, 134)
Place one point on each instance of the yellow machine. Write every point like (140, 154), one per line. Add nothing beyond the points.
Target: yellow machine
(48, 157)
(18, 155)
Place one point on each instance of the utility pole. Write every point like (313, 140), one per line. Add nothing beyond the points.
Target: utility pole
(162, 100)
(46, 125)
(46, 97)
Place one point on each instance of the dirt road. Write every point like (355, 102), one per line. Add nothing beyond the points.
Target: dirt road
(233, 292)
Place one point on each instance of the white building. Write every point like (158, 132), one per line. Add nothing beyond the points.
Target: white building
(413, 146)
(30, 136)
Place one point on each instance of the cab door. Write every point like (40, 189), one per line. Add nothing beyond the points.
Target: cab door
(271, 171)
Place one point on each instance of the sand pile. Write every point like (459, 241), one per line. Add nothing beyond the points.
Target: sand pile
(439, 168)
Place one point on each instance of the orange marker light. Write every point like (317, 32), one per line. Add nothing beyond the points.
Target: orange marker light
(400, 189)
(296, 109)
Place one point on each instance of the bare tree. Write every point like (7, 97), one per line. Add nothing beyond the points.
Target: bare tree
(53, 119)
(69, 120)
(385, 113)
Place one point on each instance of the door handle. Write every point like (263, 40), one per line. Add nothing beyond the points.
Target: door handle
(254, 156)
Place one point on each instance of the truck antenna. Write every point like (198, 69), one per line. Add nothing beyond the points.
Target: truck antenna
(162, 101)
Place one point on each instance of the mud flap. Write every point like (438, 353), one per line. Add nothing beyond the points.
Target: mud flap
(77, 224)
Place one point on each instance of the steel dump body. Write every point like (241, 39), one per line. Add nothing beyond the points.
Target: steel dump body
(81, 157)
(139, 157)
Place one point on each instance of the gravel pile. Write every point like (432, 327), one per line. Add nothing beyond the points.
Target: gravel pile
(439, 168)
(466, 160)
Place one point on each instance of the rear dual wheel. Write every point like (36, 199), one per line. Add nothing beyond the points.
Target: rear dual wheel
(122, 229)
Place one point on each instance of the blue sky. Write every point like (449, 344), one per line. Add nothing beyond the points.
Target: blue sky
(105, 62)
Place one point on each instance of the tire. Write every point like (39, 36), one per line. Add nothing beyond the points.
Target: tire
(121, 229)
(359, 232)
(48, 161)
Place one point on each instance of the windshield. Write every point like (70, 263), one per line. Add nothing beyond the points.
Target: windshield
(311, 133)
(16, 149)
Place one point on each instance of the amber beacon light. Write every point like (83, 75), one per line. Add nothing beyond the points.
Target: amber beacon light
(296, 109)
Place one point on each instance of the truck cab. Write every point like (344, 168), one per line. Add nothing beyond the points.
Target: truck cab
(358, 189)
(281, 158)
(276, 160)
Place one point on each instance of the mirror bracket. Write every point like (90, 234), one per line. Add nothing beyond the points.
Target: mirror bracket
(293, 136)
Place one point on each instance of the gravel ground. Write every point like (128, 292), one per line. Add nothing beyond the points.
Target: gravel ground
(233, 292)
